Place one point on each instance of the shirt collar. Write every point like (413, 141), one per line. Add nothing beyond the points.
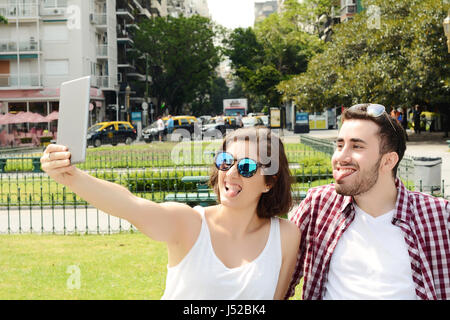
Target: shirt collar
(346, 202)
(402, 211)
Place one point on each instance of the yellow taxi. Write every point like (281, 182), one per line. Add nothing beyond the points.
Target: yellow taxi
(111, 132)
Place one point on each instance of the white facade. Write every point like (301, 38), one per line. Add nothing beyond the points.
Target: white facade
(264, 9)
(187, 8)
(47, 42)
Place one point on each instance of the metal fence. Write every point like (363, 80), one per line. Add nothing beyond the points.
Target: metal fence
(33, 202)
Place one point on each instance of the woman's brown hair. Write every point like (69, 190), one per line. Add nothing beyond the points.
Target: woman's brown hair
(278, 200)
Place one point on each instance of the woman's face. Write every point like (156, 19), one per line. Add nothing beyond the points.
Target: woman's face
(235, 190)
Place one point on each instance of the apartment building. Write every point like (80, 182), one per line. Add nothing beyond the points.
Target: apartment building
(47, 42)
(264, 9)
(187, 8)
(349, 8)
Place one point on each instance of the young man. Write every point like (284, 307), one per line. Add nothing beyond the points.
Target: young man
(170, 125)
(366, 236)
(161, 126)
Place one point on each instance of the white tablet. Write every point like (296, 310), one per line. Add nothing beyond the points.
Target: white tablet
(73, 117)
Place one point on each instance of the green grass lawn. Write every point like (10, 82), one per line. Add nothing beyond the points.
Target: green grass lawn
(120, 266)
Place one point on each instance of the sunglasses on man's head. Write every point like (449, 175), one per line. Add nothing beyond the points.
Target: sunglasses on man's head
(374, 110)
(246, 167)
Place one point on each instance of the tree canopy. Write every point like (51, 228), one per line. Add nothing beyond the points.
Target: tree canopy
(394, 54)
(275, 50)
(181, 56)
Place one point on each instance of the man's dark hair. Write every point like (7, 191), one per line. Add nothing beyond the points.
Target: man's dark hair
(392, 134)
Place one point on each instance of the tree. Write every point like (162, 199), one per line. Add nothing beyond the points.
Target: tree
(275, 50)
(212, 102)
(182, 58)
(396, 58)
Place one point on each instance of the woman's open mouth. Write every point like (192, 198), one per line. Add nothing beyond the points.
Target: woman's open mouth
(232, 190)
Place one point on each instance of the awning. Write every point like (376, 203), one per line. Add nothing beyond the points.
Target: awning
(47, 94)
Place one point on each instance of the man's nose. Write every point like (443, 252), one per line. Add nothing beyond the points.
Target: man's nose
(342, 155)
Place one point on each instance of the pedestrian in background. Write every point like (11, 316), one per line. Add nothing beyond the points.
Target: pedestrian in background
(161, 126)
(404, 122)
(170, 124)
(239, 121)
(416, 119)
(367, 236)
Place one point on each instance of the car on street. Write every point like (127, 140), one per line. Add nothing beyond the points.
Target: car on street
(252, 121)
(265, 120)
(212, 128)
(150, 133)
(111, 132)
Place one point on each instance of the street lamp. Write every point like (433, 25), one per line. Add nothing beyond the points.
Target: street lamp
(117, 89)
(127, 101)
(447, 29)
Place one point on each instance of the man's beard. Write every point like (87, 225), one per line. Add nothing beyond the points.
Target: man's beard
(363, 184)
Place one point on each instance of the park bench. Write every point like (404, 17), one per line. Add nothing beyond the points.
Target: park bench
(205, 196)
(36, 162)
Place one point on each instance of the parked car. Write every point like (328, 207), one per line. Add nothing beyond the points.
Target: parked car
(211, 128)
(265, 120)
(204, 119)
(252, 121)
(112, 132)
(150, 133)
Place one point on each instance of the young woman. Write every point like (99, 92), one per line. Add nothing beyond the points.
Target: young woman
(237, 249)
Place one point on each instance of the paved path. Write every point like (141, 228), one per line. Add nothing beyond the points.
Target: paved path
(81, 220)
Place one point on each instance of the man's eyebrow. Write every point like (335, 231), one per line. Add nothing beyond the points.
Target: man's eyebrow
(354, 140)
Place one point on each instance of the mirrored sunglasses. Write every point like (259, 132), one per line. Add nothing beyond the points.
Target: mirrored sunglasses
(246, 167)
(374, 110)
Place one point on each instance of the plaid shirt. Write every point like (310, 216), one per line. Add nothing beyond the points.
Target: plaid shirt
(424, 221)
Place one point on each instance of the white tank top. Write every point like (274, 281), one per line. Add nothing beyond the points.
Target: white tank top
(201, 275)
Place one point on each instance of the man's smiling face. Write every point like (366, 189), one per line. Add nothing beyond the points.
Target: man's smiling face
(357, 158)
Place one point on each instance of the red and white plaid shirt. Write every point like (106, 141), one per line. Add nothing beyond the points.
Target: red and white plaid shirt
(324, 216)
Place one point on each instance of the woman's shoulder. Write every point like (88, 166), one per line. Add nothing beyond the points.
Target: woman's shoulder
(183, 212)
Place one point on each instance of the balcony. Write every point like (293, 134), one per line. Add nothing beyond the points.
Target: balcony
(27, 10)
(124, 39)
(15, 81)
(125, 14)
(7, 46)
(103, 82)
(102, 51)
(99, 20)
(348, 11)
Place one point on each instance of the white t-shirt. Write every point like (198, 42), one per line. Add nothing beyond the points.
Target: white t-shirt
(160, 125)
(370, 261)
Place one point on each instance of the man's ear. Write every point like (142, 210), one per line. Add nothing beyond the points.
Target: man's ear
(390, 160)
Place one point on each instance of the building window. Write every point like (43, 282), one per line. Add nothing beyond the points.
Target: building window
(57, 67)
(58, 32)
(55, 3)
